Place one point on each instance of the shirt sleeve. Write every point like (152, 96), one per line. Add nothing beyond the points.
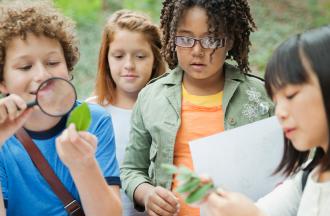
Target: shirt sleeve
(284, 199)
(3, 179)
(106, 149)
(134, 169)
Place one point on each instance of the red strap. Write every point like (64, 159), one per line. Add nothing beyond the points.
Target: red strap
(70, 204)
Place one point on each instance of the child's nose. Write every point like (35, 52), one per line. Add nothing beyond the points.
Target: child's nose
(281, 112)
(42, 73)
(129, 64)
(197, 49)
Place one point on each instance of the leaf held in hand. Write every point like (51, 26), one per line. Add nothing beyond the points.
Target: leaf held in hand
(170, 169)
(81, 117)
(191, 183)
(184, 171)
(199, 193)
(189, 186)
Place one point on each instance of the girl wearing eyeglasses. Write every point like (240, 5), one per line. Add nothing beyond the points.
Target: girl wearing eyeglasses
(201, 96)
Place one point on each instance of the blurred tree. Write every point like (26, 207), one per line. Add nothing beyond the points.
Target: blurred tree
(82, 11)
(111, 5)
(320, 10)
(105, 5)
(151, 7)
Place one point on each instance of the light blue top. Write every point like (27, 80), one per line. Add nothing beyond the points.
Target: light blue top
(121, 125)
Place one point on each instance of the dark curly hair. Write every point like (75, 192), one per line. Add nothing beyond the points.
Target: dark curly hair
(17, 18)
(231, 17)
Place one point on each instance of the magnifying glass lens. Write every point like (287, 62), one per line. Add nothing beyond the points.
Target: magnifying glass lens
(56, 97)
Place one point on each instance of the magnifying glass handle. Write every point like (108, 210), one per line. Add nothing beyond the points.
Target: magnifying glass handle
(31, 103)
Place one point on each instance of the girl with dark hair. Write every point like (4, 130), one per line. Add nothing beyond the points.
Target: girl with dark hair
(201, 96)
(129, 57)
(298, 80)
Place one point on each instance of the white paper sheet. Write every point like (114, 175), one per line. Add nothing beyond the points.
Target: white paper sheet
(242, 159)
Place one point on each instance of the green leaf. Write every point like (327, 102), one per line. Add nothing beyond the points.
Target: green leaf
(191, 183)
(81, 117)
(184, 171)
(169, 168)
(184, 177)
(199, 193)
(189, 186)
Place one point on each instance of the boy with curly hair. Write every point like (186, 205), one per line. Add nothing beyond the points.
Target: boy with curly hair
(37, 43)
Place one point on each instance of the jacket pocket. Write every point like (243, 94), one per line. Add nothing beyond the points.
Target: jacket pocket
(152, 167)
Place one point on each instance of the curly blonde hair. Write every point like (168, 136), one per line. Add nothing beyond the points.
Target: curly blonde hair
(41, 18)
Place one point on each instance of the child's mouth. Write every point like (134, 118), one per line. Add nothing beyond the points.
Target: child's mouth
(198, 66)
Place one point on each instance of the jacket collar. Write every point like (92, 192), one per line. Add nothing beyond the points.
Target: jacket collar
(174, 77)
(233, 73)
(233, 77)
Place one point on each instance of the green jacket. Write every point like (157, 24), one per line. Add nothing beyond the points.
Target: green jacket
(157, 115)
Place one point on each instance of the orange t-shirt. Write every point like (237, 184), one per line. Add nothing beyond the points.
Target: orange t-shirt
(200, 116)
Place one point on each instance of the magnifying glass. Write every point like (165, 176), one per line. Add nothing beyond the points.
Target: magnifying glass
(55, 96)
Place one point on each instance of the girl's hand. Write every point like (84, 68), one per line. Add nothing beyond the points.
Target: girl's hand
(161, 202)
(223, 203)
(13, 114)
(76, 149)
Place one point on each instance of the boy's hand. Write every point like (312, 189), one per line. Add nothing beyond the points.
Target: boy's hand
(76, 149)
(13, 114)
(161, 202)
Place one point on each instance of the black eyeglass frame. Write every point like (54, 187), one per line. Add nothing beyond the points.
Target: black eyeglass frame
(221, 42)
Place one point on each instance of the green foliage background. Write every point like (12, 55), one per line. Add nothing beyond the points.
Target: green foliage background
(276, 20)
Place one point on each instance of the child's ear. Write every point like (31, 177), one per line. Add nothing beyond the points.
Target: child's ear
(229, 44)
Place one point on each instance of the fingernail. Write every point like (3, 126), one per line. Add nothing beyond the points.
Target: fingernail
(177, 208)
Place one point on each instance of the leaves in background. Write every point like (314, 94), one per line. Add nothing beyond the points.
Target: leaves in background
(81, 117)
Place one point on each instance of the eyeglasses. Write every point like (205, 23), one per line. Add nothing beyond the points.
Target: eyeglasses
(206, 42)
